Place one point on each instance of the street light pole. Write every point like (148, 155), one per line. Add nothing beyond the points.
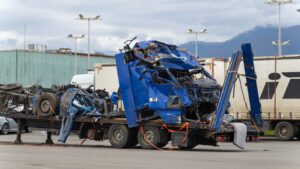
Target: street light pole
(196, 34)
(75, 57)
(279, 3)
(278, 43)
(75, 52)
(190, 31)
(89, 19)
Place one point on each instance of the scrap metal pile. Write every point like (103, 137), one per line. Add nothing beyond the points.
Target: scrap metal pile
(64, 102)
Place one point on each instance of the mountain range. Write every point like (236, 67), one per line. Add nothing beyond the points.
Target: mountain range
(260, 38)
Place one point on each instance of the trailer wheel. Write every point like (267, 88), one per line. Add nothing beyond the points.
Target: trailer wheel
(46, 104)
(151, 137)
(120, 136)
(285, 131)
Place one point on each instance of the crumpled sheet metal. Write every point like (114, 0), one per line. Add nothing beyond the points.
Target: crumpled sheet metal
(170, 56)
(73, 103)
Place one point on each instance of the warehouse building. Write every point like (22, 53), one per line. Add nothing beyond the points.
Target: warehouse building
(44, 68)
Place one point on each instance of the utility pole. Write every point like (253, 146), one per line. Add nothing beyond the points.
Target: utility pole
(75, 55)
(89, 19)
(24, 37)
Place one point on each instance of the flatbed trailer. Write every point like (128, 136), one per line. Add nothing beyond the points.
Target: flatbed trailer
(53, 124)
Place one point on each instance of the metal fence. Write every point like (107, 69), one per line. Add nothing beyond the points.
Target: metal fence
(29, 68)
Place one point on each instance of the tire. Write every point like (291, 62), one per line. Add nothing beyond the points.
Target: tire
(120, 136)
(10, 86)
(297, 135)
(46, 104)
(164, 138)
(191, 145)
(5, 129)
(155, 135)
(187, 148)
(133, 138)
(285, 131)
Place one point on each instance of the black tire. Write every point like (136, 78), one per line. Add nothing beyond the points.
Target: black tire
(155, 135)
(46, 104)
(297, 135)
(133, 137)
(120, 136)
(191, 144)
(10, 86)
(285, 131)
(189, 147)
(164, 138)
(5, 129)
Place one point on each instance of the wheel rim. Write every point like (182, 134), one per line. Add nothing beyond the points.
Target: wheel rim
(149, 135)
(118, 135)
(283, 131)
(5, 129)
(45, 106)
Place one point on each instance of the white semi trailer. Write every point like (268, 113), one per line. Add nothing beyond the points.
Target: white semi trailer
(279, 92)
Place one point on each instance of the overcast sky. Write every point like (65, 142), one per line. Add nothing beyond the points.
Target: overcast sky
(49, 22)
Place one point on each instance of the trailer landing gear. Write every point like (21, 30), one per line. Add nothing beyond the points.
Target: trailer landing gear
(19, 132)
(49, 139)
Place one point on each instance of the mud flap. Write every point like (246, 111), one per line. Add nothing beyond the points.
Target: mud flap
(240, 134)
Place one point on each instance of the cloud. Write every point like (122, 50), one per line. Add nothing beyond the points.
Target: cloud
(49, 22)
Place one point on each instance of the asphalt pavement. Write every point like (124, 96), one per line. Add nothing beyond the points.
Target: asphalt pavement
(33, 154)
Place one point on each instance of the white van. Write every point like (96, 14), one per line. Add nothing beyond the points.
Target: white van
(83, 80)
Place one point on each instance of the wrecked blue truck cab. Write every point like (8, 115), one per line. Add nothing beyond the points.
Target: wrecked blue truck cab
(159, 80)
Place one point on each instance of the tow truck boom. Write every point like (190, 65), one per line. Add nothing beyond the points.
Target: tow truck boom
(231, 77)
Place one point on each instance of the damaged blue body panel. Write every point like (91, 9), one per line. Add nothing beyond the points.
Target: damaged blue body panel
(230, 79)
(76, 102)
(156, 80)
(255, 105)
